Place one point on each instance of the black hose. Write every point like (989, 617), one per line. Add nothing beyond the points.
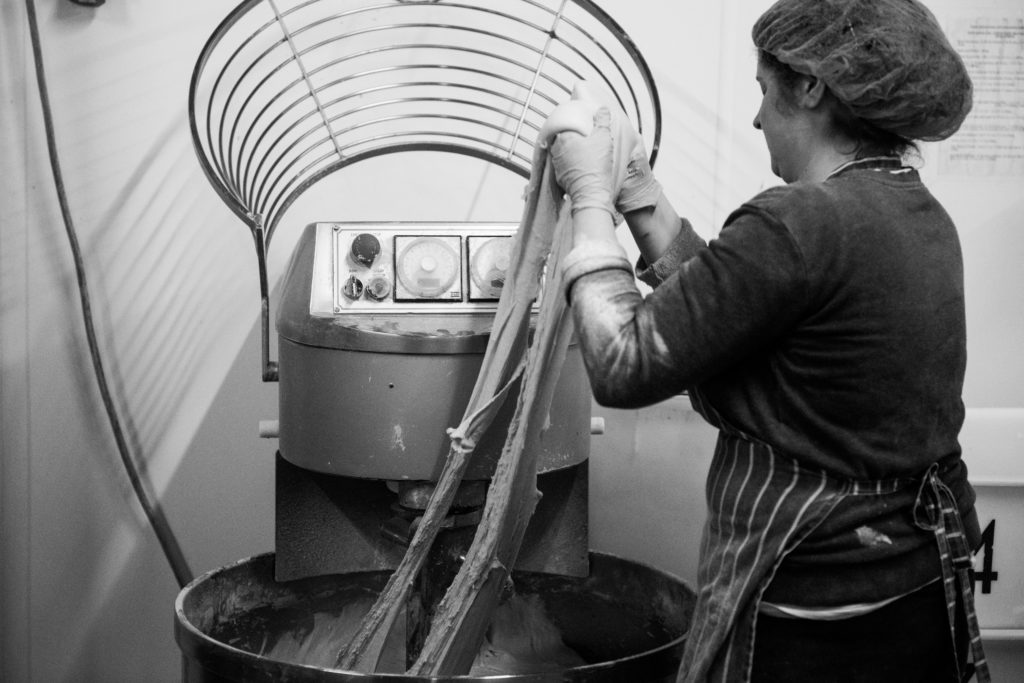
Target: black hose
(152, 508)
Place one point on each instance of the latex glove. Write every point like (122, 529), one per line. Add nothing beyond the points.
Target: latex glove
(575, 115)
(583, 164)
(633, 183)
(633, 180)
(638, 188)
(637, 185)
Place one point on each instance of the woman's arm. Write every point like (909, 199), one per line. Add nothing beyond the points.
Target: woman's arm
(733, 298)
(654, 228)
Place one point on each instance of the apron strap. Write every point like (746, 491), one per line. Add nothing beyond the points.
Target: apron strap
(935, 510)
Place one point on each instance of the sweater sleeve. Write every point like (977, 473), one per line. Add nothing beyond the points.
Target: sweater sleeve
(684, 247)
(730, 300)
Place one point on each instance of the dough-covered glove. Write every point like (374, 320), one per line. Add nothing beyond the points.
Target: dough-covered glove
(633, 183)
(632, 178)
(583, 165)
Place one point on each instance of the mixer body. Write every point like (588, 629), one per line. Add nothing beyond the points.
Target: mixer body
(368, 388)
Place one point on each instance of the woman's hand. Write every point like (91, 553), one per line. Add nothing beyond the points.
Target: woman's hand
(633, 186)
(583, 165)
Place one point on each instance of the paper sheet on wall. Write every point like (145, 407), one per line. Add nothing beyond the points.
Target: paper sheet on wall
(991, 140)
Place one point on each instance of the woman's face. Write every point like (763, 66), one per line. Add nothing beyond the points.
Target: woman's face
(782, 125)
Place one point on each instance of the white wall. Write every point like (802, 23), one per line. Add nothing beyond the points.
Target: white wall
(84, 592)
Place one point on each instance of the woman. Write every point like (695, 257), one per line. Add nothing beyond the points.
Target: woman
(822, 332)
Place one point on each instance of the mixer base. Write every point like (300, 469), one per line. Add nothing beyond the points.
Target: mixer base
(326, 524)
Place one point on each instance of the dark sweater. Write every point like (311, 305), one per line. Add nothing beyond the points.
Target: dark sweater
(827, 321)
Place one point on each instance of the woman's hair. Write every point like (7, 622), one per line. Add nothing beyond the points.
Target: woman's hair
(886, 61)
(869, 139)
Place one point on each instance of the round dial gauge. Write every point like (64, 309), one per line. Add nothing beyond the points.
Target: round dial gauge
(489, 265)
(427, 267)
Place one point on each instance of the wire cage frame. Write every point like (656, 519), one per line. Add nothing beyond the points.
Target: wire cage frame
(286, 92)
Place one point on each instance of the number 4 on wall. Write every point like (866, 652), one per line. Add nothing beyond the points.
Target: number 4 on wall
(986, 575)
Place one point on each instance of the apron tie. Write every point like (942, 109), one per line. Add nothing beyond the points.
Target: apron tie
(935, 510)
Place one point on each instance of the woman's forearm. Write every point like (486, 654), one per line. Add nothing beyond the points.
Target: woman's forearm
(654, 228)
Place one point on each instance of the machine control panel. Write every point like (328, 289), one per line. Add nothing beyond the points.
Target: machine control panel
(409, 267)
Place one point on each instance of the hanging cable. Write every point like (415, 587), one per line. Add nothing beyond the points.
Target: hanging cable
(152, 508)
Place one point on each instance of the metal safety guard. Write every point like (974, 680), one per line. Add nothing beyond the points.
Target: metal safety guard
(286, 92)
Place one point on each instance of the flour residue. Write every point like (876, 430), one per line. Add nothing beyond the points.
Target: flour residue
(398, 440)
(317, 642)
(521, 639)
(871, 537)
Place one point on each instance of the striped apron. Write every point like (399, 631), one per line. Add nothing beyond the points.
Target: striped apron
(761, 505)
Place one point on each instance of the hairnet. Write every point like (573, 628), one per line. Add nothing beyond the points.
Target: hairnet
(888, 61)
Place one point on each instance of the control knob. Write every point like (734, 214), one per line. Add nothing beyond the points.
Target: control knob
(365, 249)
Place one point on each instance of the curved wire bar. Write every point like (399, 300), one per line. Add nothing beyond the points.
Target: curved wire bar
(249, 123)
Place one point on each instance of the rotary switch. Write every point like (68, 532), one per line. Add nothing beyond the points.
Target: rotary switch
(378, 288)
(365, 249)
(352, 288)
